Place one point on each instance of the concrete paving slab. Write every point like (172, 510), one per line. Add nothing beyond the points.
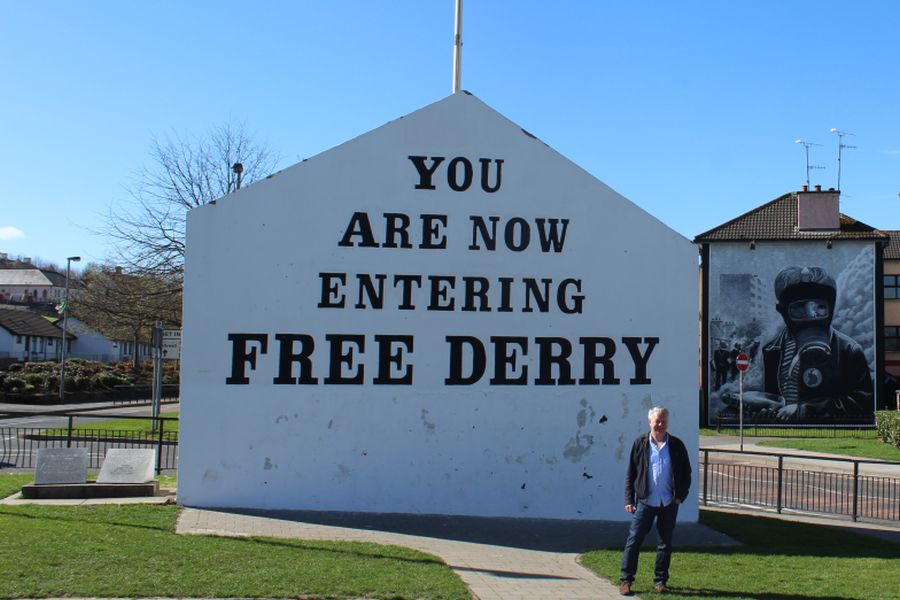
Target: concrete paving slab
(492, 572)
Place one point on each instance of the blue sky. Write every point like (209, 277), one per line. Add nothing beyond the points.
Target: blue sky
(689, 109)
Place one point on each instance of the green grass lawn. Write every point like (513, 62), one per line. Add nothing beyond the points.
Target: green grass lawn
(124, 425)
(132, 551)
(779, 560)
(862, 448)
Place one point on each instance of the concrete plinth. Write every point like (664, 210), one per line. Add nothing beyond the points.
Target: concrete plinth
(70, 491)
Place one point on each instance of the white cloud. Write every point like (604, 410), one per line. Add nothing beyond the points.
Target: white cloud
(892, 152)
(11, 233)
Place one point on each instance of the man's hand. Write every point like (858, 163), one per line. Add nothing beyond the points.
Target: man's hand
(629, 508)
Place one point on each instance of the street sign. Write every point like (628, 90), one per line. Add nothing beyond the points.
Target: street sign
(171, 344)
(742, 362)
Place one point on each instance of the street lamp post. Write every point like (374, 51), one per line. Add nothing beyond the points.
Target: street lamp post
(62, 357)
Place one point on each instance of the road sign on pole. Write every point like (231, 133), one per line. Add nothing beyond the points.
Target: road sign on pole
(171, 344)
(742, 362)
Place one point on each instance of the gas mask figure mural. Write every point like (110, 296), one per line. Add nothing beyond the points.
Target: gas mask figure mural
(813, 369)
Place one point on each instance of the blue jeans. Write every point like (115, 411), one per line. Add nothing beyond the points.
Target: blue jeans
(641, 522)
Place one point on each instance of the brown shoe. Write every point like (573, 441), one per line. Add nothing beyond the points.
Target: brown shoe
(663, 588)
(625, 589)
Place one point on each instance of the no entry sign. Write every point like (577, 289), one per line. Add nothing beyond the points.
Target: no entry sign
(742, 362)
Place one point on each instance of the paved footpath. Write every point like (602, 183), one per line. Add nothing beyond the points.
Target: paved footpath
(491, 572)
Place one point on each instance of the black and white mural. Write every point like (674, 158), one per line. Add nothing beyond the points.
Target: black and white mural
(805, 315)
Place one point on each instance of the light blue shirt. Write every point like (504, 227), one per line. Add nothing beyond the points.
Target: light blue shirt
(660, 478)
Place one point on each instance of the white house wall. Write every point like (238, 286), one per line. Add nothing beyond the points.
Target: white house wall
(545, 446)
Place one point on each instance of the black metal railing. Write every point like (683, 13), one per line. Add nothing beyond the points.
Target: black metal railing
(19, 445)
(823, 429)
(854, 488)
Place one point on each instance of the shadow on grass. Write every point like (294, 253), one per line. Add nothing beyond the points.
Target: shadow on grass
(72, 518)
(764, 536)
(329, 546)
(72, 515)
(711, 593)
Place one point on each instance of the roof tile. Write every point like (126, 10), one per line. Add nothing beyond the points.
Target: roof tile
(777, 220)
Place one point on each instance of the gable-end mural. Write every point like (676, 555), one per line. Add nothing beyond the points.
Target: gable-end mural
(804, 313)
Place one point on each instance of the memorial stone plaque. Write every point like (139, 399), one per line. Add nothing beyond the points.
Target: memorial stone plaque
(61, 465)
(127, 465)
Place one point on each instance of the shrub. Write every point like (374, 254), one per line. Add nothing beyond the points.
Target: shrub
(13, 384)
(51, 382)
(106, 380)
(33, 379)
(78, 383)
(887, 424)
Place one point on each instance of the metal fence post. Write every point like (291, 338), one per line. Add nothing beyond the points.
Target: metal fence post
(159, 447)
(780, 481)
(705, 475)
(855, 490)
(69, 433)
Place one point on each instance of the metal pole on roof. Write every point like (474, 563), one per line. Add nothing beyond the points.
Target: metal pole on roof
(65, 312)
(457, 47)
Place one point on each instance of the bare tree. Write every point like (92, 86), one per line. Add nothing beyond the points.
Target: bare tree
(124, 306)
(186, 173)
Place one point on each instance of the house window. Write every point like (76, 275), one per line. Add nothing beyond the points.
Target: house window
(891, 287)
(892, 338)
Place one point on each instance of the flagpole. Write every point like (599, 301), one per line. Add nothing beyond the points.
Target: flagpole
(457, 47)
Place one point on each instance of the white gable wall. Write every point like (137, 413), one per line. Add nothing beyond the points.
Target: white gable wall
(254, 266)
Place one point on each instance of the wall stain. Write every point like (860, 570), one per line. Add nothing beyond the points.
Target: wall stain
(581, 444)
(647, 402)
(603, 419)
(620, 449)
(428, 426)
(280, 419)
(578, 446)
(624, 405)
(330, 423)
(268, 465)
(587, 475)
(344, 471)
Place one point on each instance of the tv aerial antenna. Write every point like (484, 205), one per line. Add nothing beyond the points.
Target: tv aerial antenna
(841, 147)
(809, 167)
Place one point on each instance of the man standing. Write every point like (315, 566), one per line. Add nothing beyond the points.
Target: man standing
(658, 480)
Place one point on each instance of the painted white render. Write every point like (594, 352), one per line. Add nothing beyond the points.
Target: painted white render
(92, 345)
(550, 447)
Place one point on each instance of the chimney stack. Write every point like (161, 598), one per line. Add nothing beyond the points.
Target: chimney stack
(818, 210)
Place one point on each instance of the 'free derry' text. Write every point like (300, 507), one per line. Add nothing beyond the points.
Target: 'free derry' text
(299, 359)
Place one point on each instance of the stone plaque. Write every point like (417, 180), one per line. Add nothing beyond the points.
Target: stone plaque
(61, 465)
(127, 465)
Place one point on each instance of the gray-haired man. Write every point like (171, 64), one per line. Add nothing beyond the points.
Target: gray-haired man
(658, 480)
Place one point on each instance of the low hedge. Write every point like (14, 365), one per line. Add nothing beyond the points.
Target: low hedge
(887, 423)
(35, 378)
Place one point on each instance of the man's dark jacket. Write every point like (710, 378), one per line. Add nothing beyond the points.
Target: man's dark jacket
(636, 486)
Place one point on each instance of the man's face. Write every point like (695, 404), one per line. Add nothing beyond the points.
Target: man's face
(659, 425)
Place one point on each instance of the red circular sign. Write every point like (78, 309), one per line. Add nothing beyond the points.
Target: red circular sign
(742, 362)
